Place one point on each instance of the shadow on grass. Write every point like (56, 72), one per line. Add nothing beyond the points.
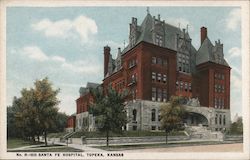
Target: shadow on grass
(16, 143)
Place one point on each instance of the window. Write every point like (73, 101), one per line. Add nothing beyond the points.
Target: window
(222, 89)
(222, 77)
(219, 88)
(220, 120)
(164, 78)
(158, 40)
(133, 78)
(159, 117)
(153, 60)
(153, 76)
(222, 103)
(190, 87)
(165, 62)
(132, 63)
(159, 77)
(186, 86)
(134, 114)
(215, 103)
(216, 118)
(153, 128)
(134, 128)
(153, 112)
(164, 95)
(215, 88)
(153, 94)
(159, 95)
(219, 103)
(159, 61)
(177, 85)
(224, 120)
(181, 85)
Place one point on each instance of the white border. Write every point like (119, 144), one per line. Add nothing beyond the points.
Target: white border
(152, 155)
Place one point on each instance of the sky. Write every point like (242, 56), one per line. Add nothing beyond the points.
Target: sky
(66, 44)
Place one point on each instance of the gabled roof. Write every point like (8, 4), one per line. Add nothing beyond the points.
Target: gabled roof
(206, 54)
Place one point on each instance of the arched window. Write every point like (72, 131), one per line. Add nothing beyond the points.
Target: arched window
(134, 114)
(153, 112)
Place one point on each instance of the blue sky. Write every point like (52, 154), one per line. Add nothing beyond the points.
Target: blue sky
(66, 43)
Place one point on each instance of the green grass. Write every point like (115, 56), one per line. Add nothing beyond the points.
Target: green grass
(155, 145)
(15, 143)
(125, 134)
(49, 149)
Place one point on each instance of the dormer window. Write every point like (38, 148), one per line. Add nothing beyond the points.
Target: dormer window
(159, 40)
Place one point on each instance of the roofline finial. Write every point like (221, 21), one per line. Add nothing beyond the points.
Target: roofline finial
(187, 27)
(148, 10)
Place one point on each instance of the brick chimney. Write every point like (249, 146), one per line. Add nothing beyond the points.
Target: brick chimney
(203, 34)
(106, 59)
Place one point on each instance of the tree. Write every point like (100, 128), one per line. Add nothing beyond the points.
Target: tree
(237, 127)
(172, 114)
(109, 111)
(45, 103)
(35, 111)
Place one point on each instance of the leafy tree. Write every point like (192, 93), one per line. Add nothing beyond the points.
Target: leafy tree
(237, 127)
(61, 121)
(35, 111)
(172, 114)
(45, 103)
(109, 111)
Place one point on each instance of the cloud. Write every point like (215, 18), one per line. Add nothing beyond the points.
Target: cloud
(236, 82)
(34, 52)
(81, 26)
(234, 19)
(58, 59)
(234, 52)
(180, 22)
(79, 66)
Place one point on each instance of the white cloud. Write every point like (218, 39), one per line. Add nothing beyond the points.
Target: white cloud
(236, 82)
(180, 22)
(58, 58)
(234, 52)
(80, 66)
(83, 26)
(34, 52)
(234, 19)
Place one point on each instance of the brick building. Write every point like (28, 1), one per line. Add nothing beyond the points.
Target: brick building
(160, 61)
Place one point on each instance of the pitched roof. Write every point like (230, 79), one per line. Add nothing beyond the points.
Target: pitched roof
(206, 53)
(92, 85)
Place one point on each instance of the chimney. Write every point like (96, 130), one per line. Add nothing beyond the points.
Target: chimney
(106, 59)
(203, 34)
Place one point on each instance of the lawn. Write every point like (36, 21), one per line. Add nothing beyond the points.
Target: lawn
(49, 149)
(155, 145)
(15, 143)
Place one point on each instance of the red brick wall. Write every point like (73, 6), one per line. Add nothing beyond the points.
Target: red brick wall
(83, 103)
(207, 81)
(142, 55)
(71, 122)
